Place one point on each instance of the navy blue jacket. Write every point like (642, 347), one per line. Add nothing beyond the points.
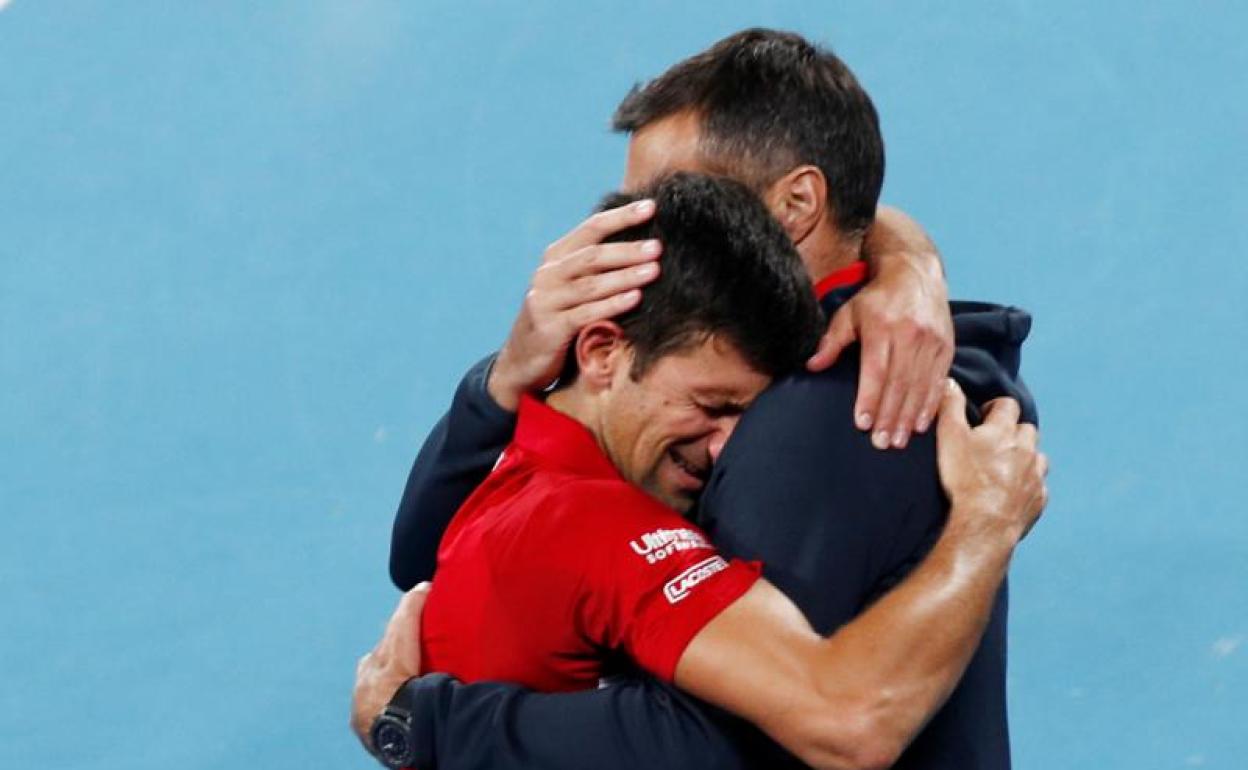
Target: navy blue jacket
(836, 522)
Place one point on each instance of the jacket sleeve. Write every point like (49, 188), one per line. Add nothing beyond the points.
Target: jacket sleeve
(988, 355)
(456, 457)
(635, 722)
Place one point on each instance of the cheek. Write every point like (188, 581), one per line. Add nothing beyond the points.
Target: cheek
(685, 425)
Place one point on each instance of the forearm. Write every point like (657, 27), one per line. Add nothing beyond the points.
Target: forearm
(857, 698)
(895, 241)
(456, 457)
(893, 666)
(630, 724)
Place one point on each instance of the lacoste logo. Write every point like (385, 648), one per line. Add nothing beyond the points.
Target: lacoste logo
(679, 587)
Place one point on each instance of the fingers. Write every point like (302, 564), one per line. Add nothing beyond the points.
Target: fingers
(908, 415)
(405, 615)
(918, 365)
(598, 227)
(591, 288)
(890, 428)
(568, 292)
(614, 272)
(610, 307)
(931, 405)
(558, 328)
(952, 413)
(899, 386)
(407, 640)
(840, 335)
(413, 601)
(1027, 436)
(1002, 412)
(596, 259)
(937, 370)
(875, 362)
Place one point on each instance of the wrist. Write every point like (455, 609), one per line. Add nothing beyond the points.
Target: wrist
(375, 689)
(390, 735)
(896, 242)
(927, 264)
(981, 525)
(501, 387)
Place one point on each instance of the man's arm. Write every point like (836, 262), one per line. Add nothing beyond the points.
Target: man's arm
(878, 678)
(635, 722)
(456, 457)
(902, 319)
(857, 698)
(580, 280)
(638, 722)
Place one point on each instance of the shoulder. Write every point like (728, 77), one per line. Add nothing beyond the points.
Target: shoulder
(575, 495)
(803, 427)
(797, 461)
(615, 511)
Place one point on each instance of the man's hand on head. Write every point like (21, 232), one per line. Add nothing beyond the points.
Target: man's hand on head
(902, 319)
(395, 659)
(581, 280)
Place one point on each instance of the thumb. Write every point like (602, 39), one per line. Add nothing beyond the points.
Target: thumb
(413, 601)
(406, 617)
(406, 639)
(952, 420)
(840, 335)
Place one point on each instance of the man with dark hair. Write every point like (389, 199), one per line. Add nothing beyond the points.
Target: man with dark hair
(766, 103)
(729, 270)
(563, 537)
(839, 526)
(572, 550)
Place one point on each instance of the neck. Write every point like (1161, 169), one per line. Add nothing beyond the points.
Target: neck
(824, 251)
(571, 401)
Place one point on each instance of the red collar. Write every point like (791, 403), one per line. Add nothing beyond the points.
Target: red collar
(559, 440)
(846, 276)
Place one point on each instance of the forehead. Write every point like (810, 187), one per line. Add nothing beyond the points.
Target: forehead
(713, 366)
(664, 146)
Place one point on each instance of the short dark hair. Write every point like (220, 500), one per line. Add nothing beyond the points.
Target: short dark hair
(770, 101)
(727, 269)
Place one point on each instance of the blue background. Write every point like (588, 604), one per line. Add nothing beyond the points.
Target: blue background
(247, 248)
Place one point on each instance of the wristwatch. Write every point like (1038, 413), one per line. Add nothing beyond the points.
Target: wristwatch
(391, 733)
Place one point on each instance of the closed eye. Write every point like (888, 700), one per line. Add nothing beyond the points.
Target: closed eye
(719, 410)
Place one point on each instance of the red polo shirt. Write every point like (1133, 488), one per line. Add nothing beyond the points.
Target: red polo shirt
(556, 562)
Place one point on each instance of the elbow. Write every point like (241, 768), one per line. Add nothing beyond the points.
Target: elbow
(400, 575)
(406, 569)
(874, 752)
(865, 756)
(855, 743)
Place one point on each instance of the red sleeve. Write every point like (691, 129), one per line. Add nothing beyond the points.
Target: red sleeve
(654, 582)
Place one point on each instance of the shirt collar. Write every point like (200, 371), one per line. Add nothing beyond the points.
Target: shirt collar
(557, 439)
(855, 272)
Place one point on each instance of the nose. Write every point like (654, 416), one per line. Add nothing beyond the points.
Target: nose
(724, 427)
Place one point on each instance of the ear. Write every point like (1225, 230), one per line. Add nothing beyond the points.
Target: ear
(600, 349)
(799, 201)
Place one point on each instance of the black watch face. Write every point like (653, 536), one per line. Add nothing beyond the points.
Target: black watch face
(391, 740)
